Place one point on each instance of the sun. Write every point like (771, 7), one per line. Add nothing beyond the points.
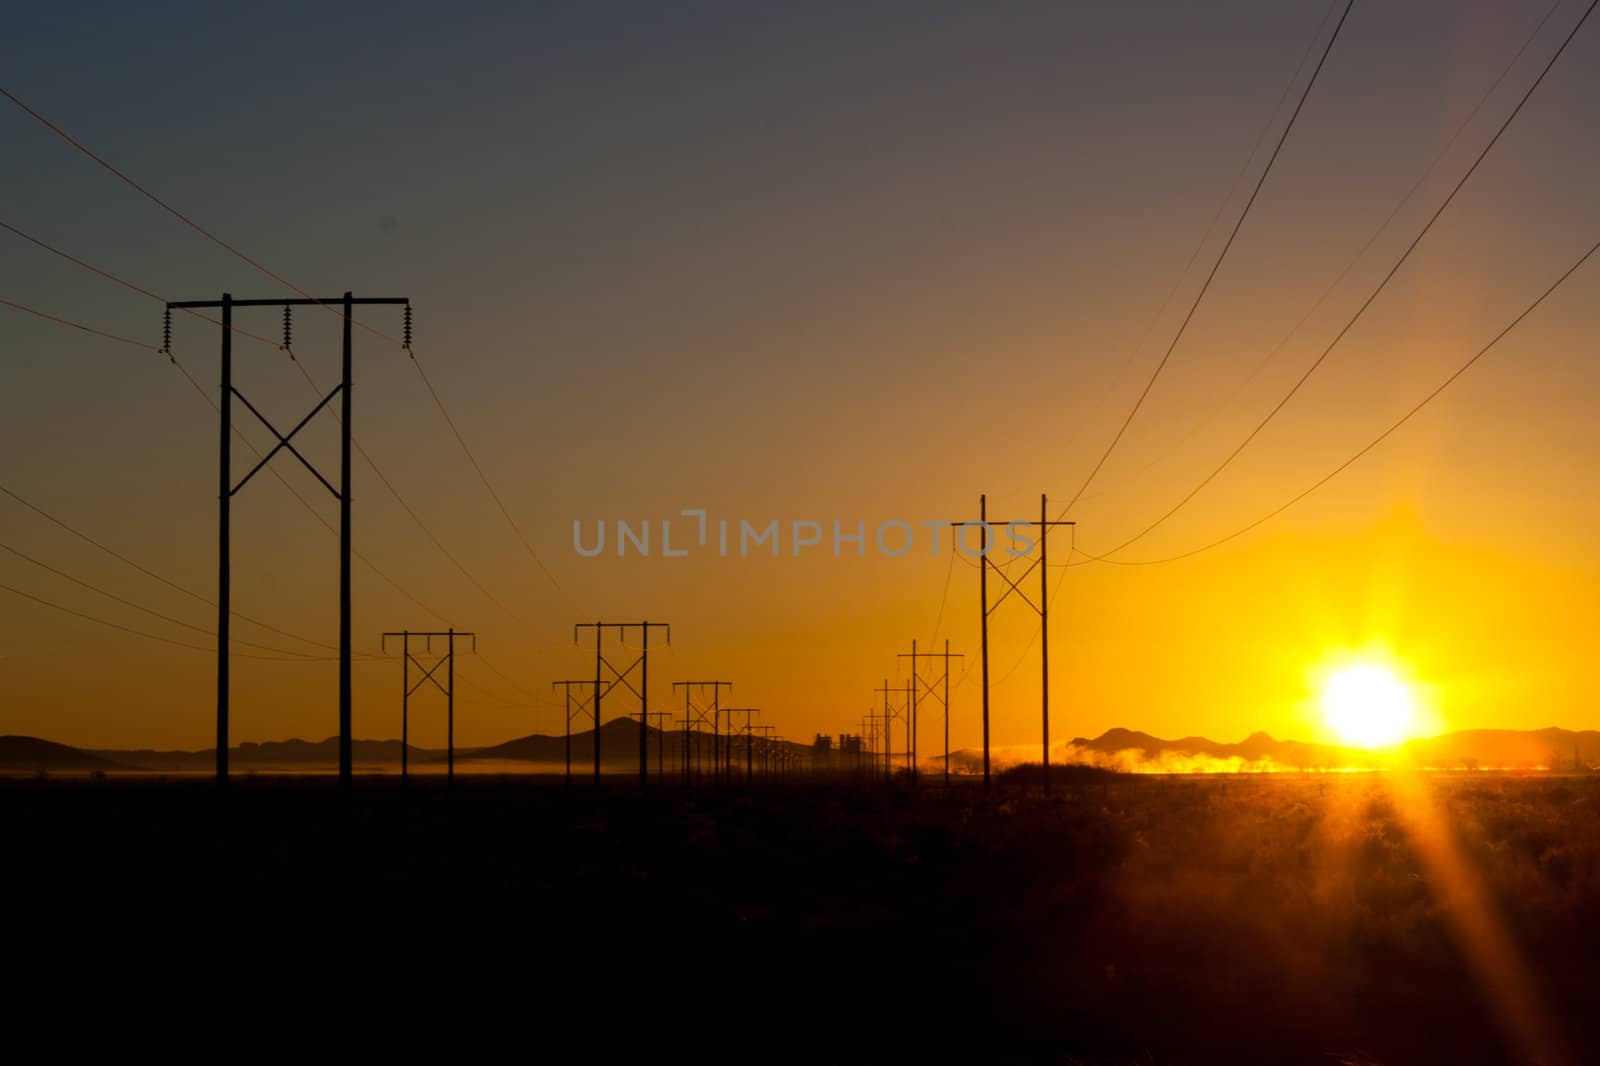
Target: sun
(1367, 705)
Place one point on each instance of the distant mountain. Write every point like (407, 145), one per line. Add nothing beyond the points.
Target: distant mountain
(619, 747)
(1512, 749)
(33, 754)
(619, 743)
(619, 751)
(1115, 749)
(274, 754)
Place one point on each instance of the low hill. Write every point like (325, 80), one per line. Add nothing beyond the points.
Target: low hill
(1510, 749)
(32, 754)
(619, 747)
(275, 754)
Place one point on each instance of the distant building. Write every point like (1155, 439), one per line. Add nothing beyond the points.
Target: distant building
(823, 745)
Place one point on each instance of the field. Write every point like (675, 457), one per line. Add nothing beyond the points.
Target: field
(1281, 918)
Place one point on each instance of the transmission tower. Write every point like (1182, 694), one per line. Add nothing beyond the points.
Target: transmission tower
(575, 708)
(766, 731)
(749, 713)
(922, 685)
(620, 677)
(890, 715)
(448, 661)
(1042, 608)
(695, 715)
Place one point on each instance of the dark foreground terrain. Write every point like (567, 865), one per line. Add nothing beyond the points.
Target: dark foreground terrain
(1150, 920)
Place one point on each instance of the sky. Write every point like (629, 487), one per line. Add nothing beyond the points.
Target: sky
(819, 263)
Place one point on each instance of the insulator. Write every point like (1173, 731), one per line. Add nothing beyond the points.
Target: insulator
(407, 336)
(288, 331)
(166, 331)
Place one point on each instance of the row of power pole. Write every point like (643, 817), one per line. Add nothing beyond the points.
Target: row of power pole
(878, 725)
(930, 671)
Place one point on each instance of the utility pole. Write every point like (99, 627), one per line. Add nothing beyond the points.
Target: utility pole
(226, 489)
(572, 710)
(925, 686)
(908, 709)
(889, 715)
(766, 748)
(448, 687)
(1042, 608)
(661, 741)
(694, 713)
(620, 677)
(748, 712)
(691, 747)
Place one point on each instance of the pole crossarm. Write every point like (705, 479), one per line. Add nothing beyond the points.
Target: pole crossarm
(890, 711)
(427, 675)
(621, 677)
(926, 682)
(575, 705)
(283, 443)
(1015, 585)
(331, 302)
(692, 710)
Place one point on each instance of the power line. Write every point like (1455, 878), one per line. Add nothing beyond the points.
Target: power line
(1089, 557)
(147, 610)
(478, 468)
(206, 396)
(141, 633)
(411, 512)
(404, 345)
(79, 325)
(1206, 286)
(125, 283)
(357, 554)
(1360, 253)
(1194, 255)
(1216, 217)
(174, 212)
(1406, 255)
(1370, 445)
(47, 516)
(944, 597)
(1373, 444)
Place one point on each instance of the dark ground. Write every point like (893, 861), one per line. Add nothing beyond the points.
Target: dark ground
(1135, 920)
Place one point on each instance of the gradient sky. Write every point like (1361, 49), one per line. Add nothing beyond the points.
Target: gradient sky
(810, 261)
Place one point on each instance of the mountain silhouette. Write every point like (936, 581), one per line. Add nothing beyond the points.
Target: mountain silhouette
(1118, 748)
(619, 747)
(1556, 749)
(292, 754)
(33, 754)
(1469, 749)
